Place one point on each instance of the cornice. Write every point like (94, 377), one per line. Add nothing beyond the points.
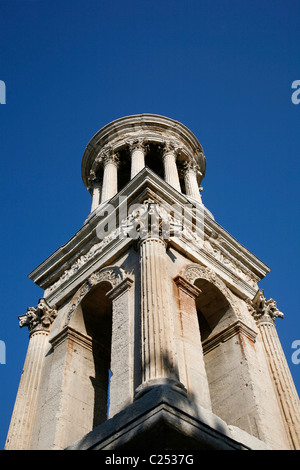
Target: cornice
(149, 127)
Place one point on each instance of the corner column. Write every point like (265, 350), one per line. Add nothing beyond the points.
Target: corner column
(170, 166)
(190, 180)
(39, 321)
(95, 188)
(265, 313)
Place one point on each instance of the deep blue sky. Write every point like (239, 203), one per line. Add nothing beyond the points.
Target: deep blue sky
(223, 68)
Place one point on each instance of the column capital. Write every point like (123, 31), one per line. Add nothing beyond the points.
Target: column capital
(108, 155)
(39, 318)
(170, 146)
(190, 165)
(93, 180)
(138, 144)
(264, 310)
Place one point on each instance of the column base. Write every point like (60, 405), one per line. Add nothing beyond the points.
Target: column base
(160, 382)
(165, 420)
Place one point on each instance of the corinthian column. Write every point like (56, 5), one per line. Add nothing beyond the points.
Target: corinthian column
(170, 166)
(190, 180)
(157, 333)
(137, 149)
(110, 175)
(265, 313)
(95, 188)
(39, 321)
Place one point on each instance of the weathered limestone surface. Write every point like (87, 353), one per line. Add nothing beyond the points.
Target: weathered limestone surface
(156, 332)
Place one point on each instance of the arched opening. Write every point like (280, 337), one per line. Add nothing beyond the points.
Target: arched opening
(93, 319)
(216, 317)
(213, 309)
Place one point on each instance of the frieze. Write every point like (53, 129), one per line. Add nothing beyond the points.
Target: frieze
(150, 216)
(214, 247)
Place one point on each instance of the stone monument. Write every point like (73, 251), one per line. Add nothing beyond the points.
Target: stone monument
(152, 332)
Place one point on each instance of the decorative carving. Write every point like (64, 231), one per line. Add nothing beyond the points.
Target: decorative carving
(213, 245)
(170, 146)
(93, 180)
(138, 144)
(263, 310)
(111, 274)
(109, 156)
(39, 318)
(190, 165)
(149, 218)
(194, 271)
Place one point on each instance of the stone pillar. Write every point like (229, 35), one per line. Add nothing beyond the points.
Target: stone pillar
(158, 361)
(122, 347)
(137, 149)
(170, 166)
(95, 188)
(190, 180)
(192, 371)
(38, 320)
(265, 314)
(110, 176)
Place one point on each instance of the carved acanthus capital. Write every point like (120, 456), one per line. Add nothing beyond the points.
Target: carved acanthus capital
(190, 165)
(94, 180)
(138, 144)
(108, 155)
(171, 146)
(264, 310)
(39, 318)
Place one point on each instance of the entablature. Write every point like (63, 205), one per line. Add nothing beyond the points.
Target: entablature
(202, 241)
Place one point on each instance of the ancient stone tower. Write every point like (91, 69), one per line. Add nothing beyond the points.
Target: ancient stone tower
(153, 332)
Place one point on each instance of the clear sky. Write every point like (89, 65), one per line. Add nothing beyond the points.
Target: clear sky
(223, 68)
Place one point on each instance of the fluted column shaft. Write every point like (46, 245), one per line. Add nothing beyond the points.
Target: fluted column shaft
(191, 183)
(288, 397)
(170, 167)
(22, 422)
(96, 193)
(137, 158)
(156, 322)
(110, 177)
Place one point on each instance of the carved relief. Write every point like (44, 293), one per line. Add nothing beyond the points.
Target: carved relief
(263, 310)
(194, 271)
(213, 245)
(152, 218)
(148, 217)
